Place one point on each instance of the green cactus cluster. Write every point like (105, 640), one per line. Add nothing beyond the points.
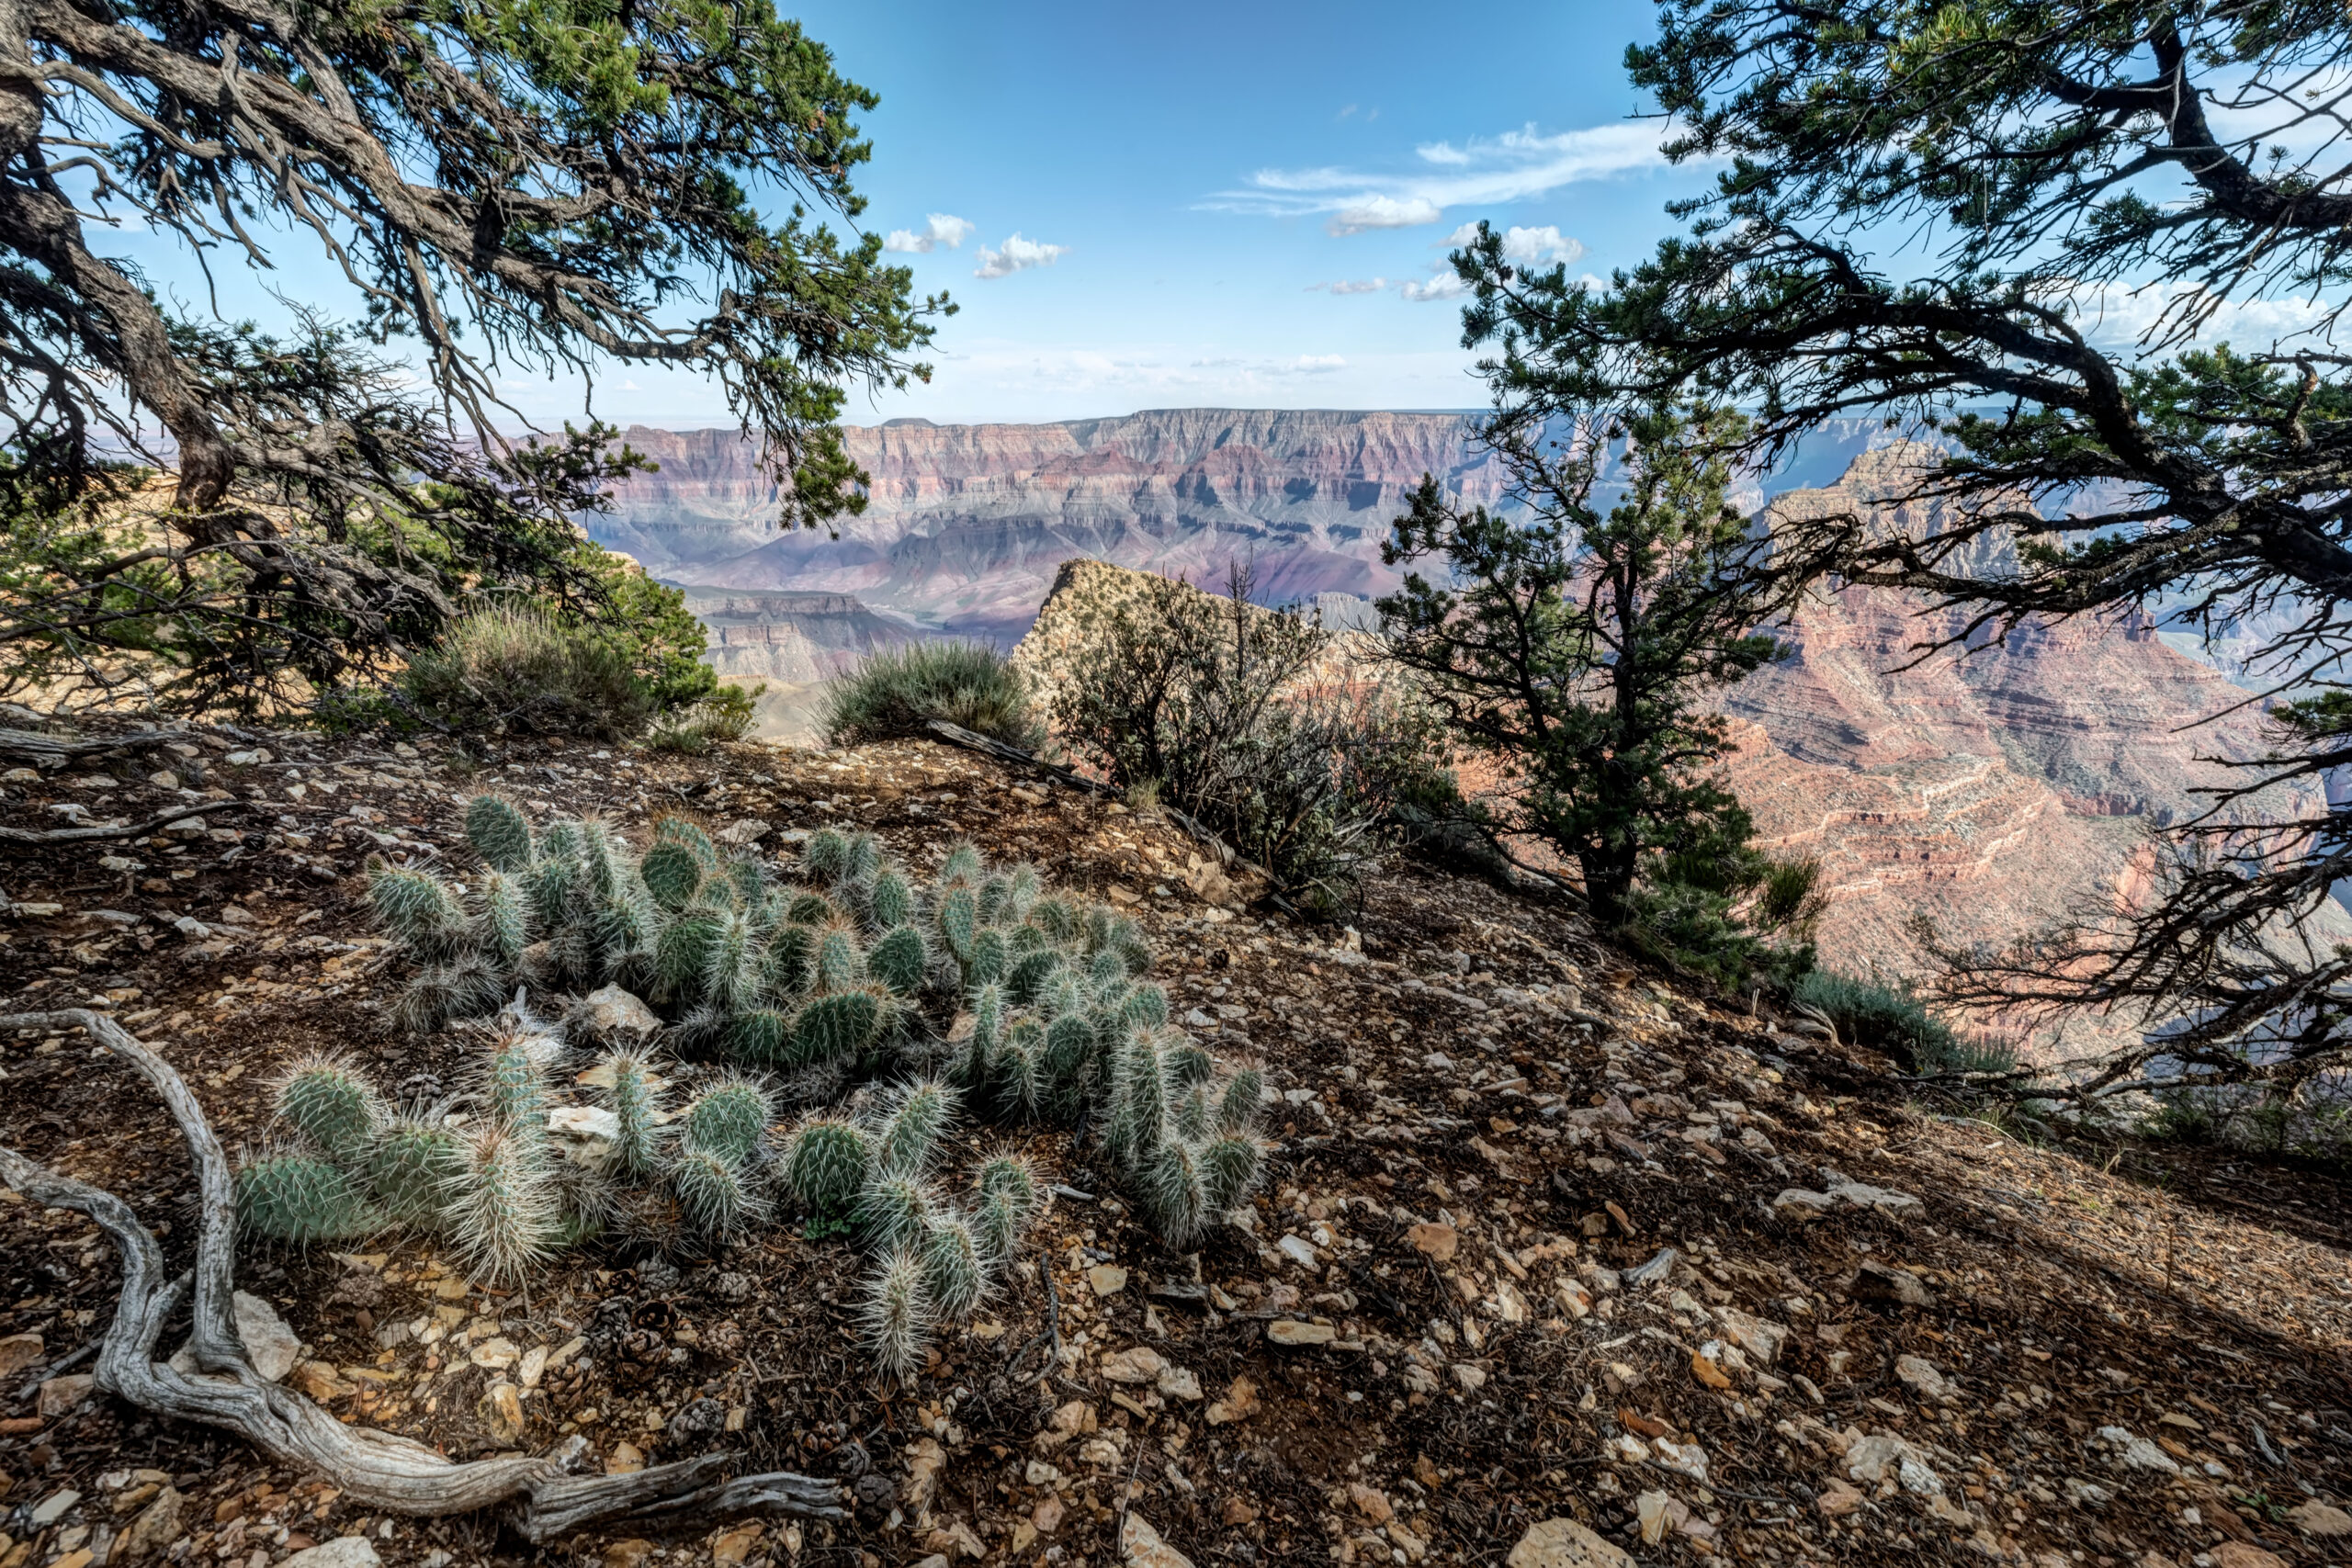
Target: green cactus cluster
(935, 1256)
(495, 1184)
(1024, 1005)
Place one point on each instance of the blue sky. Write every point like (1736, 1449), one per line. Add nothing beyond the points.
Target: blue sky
(1208, 172)
(1220, 204)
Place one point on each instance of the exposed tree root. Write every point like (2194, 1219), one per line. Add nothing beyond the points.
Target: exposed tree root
(47, 750)
(379, 1468)
(128, 830)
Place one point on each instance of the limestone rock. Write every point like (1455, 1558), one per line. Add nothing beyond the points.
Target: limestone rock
(270, 1346)
(1564, 1543)
(343, 1551)
(18, 1352)
(1284, 1331)
(1141, 1364)
(1140, 1546)
(155, 1528)
(2315, 1517)
(615, 1016)
(1241, 1403)
(59, 1396)
(1439, 1242)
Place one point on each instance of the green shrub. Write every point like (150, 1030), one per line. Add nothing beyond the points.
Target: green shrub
(1230, 712)
(725, 714)
(511, 668)
(1896, 1022)
(897, 692)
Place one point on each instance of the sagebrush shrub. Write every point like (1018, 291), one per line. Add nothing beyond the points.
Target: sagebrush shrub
(898, 691)
(509, 667)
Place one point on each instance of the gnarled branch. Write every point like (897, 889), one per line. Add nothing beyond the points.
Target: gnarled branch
(378, 1469)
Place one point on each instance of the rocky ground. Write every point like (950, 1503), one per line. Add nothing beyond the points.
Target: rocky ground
(1556, 1263)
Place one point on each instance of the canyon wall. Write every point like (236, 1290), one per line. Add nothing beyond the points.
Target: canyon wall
(1987, 794)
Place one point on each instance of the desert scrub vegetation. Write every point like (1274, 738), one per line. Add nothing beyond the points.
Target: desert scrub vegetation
(1891, 1020)
(901, 689)
(1251, 721)
(901, 1012)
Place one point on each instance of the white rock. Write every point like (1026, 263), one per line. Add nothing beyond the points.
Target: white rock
(2137, 1452)
(745, 830)
(1298, 1249)
(1803, 1202)
(343, 1551)
(1760, 1338)
(1140, 1546)
(586, 1134)
(1177, 1382)
(1921, 1374)
(53, 1508)
(1564, 1543)
(614, 1014)
(1884, 1199)
(270, 1346)
(1142, 1364)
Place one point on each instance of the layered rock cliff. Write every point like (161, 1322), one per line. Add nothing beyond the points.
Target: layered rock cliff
(1987, 793)
(968, 524)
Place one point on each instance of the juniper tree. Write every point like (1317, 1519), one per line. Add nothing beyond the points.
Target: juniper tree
(501, 186)
(2090, 200)
(1579, 647)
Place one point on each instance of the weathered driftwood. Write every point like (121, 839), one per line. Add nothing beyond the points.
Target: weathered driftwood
(127, 831)
(45, 751)
(379, 1470)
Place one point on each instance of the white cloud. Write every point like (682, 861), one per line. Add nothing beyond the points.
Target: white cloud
(1350, 286)
(1313, 365)
(1515, 166)
(938, 229)
(1445, 285)
(1383, 212)
(1017, 255)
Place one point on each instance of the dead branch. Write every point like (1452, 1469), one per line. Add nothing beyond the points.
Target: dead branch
(56, 750)
(127, 831)
(956, 735)
(378, 1469)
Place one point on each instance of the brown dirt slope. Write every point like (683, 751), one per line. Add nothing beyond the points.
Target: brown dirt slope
(1544, 1239)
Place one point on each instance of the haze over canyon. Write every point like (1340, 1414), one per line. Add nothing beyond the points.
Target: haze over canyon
(1985, 793)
